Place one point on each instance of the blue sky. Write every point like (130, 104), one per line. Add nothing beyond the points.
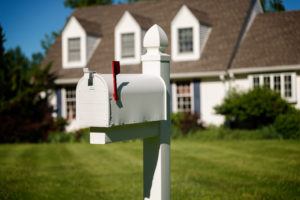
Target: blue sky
(26, 22)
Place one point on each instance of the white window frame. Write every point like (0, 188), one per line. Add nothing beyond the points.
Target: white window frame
(122, 53)
(175, 96)
(185, 19)
(66, 100)
(73, 29)
(69, 39)
(127, 24)
(293, 98)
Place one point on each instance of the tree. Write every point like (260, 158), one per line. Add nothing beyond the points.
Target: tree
(272, 5)
(85, 3)
(49, 40)
(25, 87)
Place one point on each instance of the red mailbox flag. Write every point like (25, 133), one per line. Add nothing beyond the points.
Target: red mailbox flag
(115, 71)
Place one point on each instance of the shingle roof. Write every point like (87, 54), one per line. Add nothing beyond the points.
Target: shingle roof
(144, 22)
(201, 16)
(226, 17)
(272, 40)
(91, 28)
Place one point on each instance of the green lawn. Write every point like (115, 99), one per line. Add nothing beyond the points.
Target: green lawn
(261, 169)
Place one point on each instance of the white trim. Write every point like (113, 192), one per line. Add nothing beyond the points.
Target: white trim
(127, 24)
(73, 29)
(197, 74)
(264, 69)
(185, 19)
(66, 81)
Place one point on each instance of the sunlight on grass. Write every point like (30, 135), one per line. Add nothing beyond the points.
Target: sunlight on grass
(258, 169)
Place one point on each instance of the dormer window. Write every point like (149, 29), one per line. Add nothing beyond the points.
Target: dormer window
(127, 45)
(185, 40)
(74, 49)
(129, 32)
(80, 38)
(189, 33)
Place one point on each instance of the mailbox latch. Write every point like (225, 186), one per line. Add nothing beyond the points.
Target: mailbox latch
(90, 80)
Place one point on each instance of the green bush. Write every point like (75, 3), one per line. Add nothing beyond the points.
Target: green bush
(288, 125)
(253, 109)
(184, 123)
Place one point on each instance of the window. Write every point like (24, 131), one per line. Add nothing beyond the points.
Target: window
(127, 45)
(283, 83)
(73, 49)
(184, 99)
(277, 86)
(267, 82)
(70, 103)
(185, 40)
(287, 86)
(256, 81)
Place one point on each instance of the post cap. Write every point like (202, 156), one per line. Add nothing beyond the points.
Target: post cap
(155, 37)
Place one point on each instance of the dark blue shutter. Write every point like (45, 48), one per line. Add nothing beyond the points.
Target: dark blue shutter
(171, 98)
(58, 103)
(197, 97)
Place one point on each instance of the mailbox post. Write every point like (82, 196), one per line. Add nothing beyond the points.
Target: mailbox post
(142, 110)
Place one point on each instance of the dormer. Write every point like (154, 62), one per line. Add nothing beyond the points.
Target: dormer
(80, 38)
(129, 33)
(189, 32)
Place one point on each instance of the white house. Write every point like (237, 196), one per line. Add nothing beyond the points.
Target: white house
(214, 45)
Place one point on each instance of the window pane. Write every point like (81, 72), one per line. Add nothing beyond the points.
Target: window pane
(267, 81)
(287, 86)
(127, 45)
(71, 103)
(256, 81)
(185, 39)
(74, 49)
(277, 86)
(184, 100)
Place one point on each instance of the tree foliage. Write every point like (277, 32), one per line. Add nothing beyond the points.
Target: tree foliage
(272, 5)
(254, 109)
(25, 87)
(85, 3)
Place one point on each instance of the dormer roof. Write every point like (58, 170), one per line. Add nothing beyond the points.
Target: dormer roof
(144, 22)
(91, 28)
(201, 16)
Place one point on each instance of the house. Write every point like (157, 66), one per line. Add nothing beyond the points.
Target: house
(214, 45)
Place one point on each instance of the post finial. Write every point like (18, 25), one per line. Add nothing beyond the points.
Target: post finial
(155, 37)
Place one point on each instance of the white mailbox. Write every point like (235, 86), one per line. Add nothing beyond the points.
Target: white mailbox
(142, 98)
(119, 107)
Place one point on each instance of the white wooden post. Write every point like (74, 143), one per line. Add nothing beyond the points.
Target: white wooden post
(157, 148)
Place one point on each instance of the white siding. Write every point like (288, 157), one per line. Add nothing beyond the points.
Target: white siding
(212, 93)
(185, 19)
(127, 24)
(73, 30)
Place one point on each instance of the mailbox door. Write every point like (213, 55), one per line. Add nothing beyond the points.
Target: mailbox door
(92, 102)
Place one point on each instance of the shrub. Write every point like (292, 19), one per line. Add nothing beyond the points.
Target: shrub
(253, 109)
(288, 125)
(183, 123)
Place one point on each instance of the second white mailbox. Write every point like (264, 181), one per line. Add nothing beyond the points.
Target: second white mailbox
(142, 98)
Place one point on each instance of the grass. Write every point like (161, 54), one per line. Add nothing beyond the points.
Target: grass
(216, 169)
